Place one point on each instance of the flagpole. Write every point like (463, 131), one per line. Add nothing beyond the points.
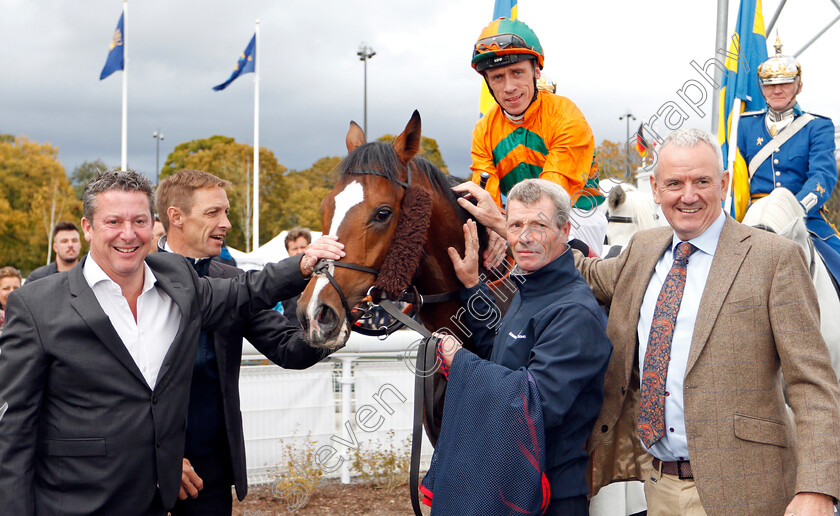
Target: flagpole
(124, 152)
(720, 49)
(733, 151)
(256, 205)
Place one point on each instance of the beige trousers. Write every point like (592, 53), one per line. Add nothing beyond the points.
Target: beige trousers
(668, 495)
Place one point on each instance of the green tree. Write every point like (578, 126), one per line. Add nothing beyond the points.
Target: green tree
(429, 149)
(84, 173)
(612, 161)
(307, 189)
(224, 157)
(35, 195)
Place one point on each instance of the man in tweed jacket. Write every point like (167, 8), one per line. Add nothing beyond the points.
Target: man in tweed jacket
(754, 317)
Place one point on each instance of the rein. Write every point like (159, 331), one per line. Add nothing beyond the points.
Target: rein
(426, 364)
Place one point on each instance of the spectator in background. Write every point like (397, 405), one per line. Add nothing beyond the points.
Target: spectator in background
(67, 246)
(297, 240)
(157, 232)
(9, 280)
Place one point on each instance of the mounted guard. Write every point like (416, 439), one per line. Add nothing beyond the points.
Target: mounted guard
(785, 147)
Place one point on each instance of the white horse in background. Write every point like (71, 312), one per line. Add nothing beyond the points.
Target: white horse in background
(782, 214)
(629, 211)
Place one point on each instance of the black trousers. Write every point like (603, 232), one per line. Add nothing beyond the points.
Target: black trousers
(215, 498)
(572, 506)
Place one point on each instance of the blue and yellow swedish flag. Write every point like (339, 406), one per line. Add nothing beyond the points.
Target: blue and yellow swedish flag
(245, 64)
(115, 60)
(747, 51)
(508, 9)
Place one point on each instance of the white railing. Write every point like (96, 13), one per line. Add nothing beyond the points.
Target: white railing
(283, 407)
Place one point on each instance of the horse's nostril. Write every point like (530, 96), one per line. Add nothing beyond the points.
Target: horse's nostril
(326, 317)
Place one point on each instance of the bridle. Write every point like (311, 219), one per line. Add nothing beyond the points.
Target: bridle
(626, 220)
(425, 394)
(410, 295)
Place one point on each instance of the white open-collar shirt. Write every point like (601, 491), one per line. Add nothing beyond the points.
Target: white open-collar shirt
(148, 338)
(674, 445)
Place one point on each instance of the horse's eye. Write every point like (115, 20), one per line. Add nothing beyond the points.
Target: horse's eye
(382, 214)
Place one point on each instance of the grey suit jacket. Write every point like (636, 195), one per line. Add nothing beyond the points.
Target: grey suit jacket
(84, 434)
(758, 318)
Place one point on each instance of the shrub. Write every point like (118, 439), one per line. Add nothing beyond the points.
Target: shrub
(299, 476)
(385, 465)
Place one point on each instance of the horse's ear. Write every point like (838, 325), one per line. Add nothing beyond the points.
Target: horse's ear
(616, 197)
(355, 137)
(407, 144)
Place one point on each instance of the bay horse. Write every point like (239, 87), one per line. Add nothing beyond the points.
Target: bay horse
(396, 215)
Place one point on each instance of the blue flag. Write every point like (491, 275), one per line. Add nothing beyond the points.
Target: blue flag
(509, 10)
(115, 60)
(244, 65)
(747, 50)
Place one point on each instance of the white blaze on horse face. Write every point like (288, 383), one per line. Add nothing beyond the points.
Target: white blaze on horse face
(353, 194)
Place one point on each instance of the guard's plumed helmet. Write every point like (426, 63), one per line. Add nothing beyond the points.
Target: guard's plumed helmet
(546, 84)
(505, 42)
(779, 69)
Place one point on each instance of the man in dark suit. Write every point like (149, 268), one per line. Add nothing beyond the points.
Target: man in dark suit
(96, 363)
(193, 208)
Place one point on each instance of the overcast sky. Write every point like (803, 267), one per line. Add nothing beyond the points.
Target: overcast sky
(606, 56)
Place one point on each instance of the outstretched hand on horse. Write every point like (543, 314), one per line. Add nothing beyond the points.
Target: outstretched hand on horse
(327, 247)
(466, 268)
(487, 213)
(484, 210)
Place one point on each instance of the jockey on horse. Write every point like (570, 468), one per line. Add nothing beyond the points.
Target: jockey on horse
(784, 147)
(532, 133)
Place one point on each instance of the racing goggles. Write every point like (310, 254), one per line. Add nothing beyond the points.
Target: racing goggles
(499, 42)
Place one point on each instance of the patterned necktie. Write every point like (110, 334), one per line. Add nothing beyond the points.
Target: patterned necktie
(651, 424)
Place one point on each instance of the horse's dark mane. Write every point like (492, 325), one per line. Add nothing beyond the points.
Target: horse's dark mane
(381, 159)
(444, 183)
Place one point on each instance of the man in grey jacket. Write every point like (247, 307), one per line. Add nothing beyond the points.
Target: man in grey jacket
(96, 364)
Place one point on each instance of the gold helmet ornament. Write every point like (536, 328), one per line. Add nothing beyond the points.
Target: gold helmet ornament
(779, 69)
(545, 83)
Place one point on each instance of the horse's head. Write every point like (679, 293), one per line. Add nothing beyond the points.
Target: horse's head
(628, 211)
(373, 197)
(780, 213)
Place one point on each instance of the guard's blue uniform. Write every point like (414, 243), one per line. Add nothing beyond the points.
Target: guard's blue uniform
(804, 164)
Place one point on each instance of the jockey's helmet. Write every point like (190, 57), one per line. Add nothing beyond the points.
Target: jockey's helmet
(505, 42)
(779, 69)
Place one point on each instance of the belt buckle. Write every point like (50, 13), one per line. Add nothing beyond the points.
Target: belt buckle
(688, 476)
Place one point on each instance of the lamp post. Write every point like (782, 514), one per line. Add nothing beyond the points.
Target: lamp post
(365, 53)
(628, 116)
(158, 136)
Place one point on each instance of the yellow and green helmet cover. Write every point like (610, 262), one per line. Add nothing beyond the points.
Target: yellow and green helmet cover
(505, 42)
